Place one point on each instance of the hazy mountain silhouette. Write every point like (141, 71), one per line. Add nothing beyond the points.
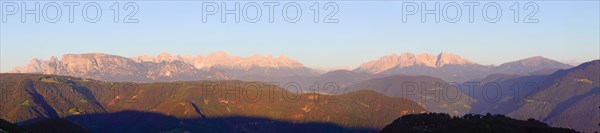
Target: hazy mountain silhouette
(308, 84)
(434, 94)
(534, 65)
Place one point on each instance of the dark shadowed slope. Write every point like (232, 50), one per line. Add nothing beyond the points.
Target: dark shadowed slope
(55, 126)
(143, 122)
(7, 127)
(42, 126)
(443, 123)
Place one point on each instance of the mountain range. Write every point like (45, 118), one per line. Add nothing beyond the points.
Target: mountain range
(165, 67)
(220, 65)
(454, 68)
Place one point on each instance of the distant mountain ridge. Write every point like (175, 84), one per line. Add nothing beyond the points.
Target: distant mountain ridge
(166, 67)
(451, 67)
(242, 68)
(116, 68)
(324, 70)
(529, 65)
(221, 58)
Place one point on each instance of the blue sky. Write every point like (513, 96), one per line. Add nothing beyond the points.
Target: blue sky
(567, 31)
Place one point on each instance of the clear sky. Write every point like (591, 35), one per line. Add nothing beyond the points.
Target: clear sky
(567, 31)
